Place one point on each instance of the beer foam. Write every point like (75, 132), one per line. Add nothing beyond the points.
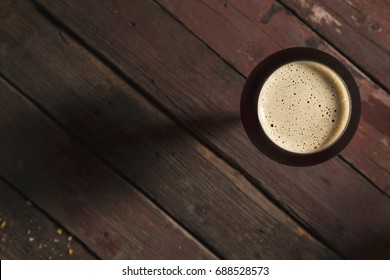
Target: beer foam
(304, 107)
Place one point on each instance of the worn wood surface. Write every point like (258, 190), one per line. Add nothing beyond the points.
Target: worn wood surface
(187, 79)
(359, 28)
(27, 233)
(105, 212)
(201, 191)
(262, 28)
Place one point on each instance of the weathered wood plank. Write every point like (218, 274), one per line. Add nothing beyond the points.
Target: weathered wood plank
(185, 77)
(27, 233)
(262, 30)
(105, 212)
(359, 28)
(184, 177)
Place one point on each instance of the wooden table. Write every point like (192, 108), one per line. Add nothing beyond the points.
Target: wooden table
(121, 136)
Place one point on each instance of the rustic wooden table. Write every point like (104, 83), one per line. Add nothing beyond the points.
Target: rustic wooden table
(121, 137)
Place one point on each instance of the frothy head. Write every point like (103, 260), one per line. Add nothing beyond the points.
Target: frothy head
(304, 107)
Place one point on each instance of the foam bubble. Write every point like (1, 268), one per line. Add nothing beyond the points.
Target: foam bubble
(304, 107)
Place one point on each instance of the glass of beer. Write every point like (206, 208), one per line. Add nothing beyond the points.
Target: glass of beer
(300, 106)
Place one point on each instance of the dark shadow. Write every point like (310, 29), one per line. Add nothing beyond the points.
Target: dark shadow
(67, 151)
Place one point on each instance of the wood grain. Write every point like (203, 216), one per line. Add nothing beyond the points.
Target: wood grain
(213, 201)
(254, 40)
(108, 214)
(27, 233)
(193, 83)
(358, 28)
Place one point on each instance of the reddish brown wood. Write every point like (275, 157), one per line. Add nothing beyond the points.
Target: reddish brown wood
(197, 188)
(105, 212)
(185, 77)
(27, 233)
(249, 16)
(359, 28)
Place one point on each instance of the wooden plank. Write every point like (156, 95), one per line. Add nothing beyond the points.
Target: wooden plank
(109, 215)
(369, 152)
(191, 183)
(194, 84)
(356, 28)
(27, 233)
